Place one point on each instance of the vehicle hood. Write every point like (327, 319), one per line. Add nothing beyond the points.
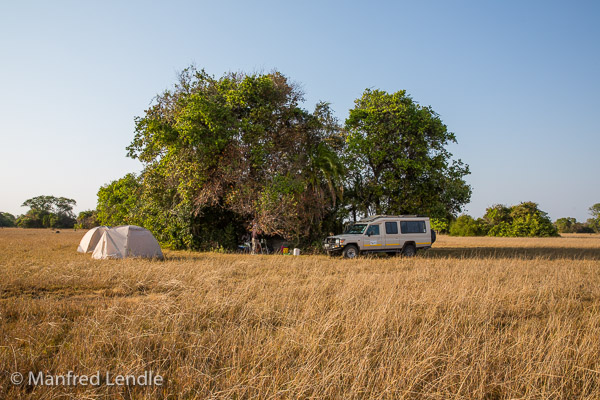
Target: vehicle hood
(346, 237)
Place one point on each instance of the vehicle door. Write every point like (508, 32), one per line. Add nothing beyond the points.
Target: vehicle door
(374, 240)
(393, 239)
(415, 231)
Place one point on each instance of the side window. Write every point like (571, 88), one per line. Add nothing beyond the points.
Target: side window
(413, 227)
(391, 228)
(373, 230)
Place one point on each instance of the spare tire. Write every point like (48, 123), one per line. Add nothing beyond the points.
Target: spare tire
(433, 236)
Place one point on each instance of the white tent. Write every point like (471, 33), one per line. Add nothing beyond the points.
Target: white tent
(127, 241)
(90, 239)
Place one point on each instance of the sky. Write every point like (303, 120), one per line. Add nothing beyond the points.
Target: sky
(516, 81)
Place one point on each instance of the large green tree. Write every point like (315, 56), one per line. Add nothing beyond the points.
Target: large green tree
(48, 212)
(398, 160)
(237, 145)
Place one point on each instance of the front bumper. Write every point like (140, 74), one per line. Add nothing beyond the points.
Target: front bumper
(332, 246)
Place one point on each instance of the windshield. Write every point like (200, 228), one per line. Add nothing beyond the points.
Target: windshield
(357, 229)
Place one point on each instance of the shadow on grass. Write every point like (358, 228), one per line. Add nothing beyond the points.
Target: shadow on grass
(527, 253)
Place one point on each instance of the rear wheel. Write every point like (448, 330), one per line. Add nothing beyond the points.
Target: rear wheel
(409, 250)
(350, 251)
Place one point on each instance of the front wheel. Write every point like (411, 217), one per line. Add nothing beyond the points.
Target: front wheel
(409, 250)
(350, 251)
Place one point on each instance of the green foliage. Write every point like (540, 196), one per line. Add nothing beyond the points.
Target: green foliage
(565, 225)
(529, 220)
(595, 210)
(87, 219)
(118, 201)
(223, 156)
(524, 219)
(7, 219)
(594, 222)
(48, 212)
(570, 225)
(441, 225)
(496, 215)
(397, 159)
(237, 148)
(465, 225)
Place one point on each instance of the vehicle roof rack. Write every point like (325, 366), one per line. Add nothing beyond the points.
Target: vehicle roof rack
(374, 217)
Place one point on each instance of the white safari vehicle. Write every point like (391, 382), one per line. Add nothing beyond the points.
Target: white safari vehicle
(390, 234)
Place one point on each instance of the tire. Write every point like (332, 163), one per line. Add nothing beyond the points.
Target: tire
(409, 250)
(350, 251)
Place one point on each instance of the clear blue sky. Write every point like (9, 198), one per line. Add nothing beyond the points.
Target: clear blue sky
(517, 81)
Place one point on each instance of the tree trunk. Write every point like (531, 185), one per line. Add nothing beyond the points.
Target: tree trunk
(254, 237)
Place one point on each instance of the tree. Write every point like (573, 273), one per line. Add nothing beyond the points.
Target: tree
(118, 201)
(565, 225)
(48, 212)
(87, 219)
(595, 210)
(570, 225)
(7, 219)
(594, 222)
(397, 159)
(497, 220)
(465, 225)
(529, 220)
(236, 146)
(524, 219)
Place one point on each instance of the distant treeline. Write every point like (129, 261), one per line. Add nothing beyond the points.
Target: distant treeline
(50, 212)
(44, 212)
(524, 219)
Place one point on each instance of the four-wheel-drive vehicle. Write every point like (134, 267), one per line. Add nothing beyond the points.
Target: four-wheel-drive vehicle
(390, 234)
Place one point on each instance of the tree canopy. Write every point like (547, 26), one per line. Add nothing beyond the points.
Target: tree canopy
(240, 144)
(7, 219)
(398, 160)
(48, 212)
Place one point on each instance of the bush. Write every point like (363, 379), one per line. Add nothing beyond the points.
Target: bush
(465, 225)
(440, 224)
(87, 220)
(529, 220)
(7, 219)
(565, 225)
(570, 225)
(522, 220)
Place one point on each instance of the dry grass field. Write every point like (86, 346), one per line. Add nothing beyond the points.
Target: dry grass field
(472, 318)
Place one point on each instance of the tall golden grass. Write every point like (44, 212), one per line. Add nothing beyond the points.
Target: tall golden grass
(472, 318)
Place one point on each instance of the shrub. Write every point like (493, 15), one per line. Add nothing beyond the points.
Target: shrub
(7, 219)
(87, 219)
(465, 225)
(440, 224)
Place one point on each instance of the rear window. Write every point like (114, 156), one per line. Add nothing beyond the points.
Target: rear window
(391, 228)
(412, 226)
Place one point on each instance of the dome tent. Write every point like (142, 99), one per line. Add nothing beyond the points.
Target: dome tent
(90, 239)
(127, 241)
